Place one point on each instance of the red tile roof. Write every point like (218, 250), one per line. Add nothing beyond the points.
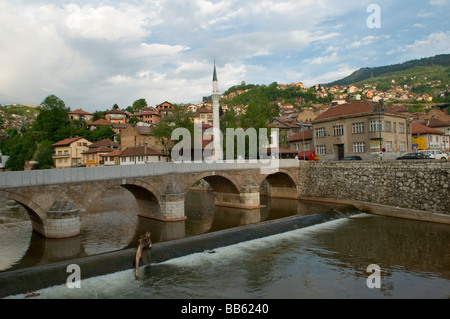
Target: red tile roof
(104, 142)
(417, 129)
(352, 108)
(100, 122)
(102, 149)
(140, 151)
(67, 141)
(80, 111)
(112, 154)
(303, 135)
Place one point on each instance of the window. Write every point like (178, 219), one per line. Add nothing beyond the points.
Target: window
(388, 146)
(359, 147)
(320, 132)
(358, 128)
(321, 150)
(401, 128)
(402, 146)
(375, 126)
(338, 130)
(388, 126)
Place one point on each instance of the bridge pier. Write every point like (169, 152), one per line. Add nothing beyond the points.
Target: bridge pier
(248, 198)
(62, 221)
(170, 208)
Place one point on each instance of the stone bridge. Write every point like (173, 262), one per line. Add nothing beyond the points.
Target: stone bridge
(55, 199)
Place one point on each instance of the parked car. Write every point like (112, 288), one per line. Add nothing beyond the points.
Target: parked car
(435, 154)
(413, 156)
(352, 158)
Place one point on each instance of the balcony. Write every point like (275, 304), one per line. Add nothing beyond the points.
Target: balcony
(63, 155)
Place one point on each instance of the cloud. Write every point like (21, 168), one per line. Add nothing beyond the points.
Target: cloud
(330, 76)
(95, 53)
(433, 44)
(323, 59)
(438, 2)
(106, 22)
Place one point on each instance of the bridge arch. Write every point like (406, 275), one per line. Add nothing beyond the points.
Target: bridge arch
(147, 197)
(230, 190)
(35, 212)
(220, 183)
(281, 184)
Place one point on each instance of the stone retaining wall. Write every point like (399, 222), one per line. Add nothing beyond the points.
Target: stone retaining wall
(420, 185)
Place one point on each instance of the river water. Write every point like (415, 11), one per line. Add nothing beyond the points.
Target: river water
(328, 260)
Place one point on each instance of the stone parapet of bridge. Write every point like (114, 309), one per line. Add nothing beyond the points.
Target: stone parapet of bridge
(87, 174)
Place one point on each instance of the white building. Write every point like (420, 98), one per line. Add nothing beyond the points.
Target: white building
(3, 160)
(140, 155)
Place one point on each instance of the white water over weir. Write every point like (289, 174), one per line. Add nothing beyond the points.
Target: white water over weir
(32, 279)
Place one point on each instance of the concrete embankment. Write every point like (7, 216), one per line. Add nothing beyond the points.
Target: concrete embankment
(35, 278)
(384, 210)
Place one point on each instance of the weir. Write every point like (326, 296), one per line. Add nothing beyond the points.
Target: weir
(40, 277)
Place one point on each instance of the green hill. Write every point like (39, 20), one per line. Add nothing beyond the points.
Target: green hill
(436, 68)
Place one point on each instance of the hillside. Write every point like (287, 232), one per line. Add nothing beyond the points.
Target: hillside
(420, 79)
(437, 66)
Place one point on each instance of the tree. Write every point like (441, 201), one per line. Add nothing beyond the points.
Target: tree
(139, 104)
(44, 155)
(101, 133)
(163, 131)
(52, 119)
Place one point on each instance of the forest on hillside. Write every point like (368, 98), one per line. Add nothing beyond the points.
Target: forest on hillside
(363, 74)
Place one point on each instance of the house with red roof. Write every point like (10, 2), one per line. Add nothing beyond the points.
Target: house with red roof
(302, 143)
(69, 152)
(80, 115)
(427, 138)
(94, 155)
(140, 155)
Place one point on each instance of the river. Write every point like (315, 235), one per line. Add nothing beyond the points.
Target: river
(327, 260)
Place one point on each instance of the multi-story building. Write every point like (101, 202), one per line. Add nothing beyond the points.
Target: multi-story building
(69, 152)
(361, 128)
(115, 116)
(205, 116)
(301, 141)
(94, 156)
(80, 115)
(164, 109)
(148, 115)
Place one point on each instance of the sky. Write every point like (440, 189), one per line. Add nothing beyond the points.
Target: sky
(94, 54)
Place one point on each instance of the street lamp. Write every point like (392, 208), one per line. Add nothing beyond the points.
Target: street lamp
(380, 109)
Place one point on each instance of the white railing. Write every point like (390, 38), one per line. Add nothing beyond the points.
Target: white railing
(86, 174)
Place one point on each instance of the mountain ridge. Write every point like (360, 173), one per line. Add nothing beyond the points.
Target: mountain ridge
(373, 72)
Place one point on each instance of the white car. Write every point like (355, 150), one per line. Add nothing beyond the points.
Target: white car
(436, 154)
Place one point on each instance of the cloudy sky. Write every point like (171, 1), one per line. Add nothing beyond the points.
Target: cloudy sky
(93, 54)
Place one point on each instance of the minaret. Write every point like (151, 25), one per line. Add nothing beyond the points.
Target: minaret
(218, 152)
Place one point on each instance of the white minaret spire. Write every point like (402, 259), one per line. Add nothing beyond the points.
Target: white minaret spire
(218, 152)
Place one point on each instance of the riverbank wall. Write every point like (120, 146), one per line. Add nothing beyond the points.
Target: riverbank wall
(411, 185)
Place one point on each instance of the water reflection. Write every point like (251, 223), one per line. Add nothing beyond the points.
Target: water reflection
(112, 223)
(389, 243)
